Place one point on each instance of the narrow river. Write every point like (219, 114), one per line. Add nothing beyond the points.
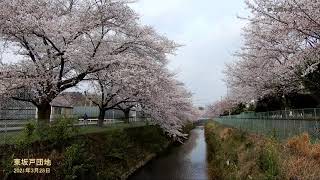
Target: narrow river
(186, 162)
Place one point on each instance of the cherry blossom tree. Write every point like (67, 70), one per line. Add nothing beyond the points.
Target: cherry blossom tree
(64, 41)
(281, 48)
(219, 107)
(126, 107)
(170, 105)
(148, 85)
(122, 86)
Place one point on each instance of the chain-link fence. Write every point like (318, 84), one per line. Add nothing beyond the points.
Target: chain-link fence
(283, 124)
(14, 115)
(93, 112)
(13, 121)
(11, 131)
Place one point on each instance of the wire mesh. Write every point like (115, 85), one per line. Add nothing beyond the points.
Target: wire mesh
(283, 124)
(13, 120)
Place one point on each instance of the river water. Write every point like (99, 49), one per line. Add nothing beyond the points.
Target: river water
(186, 162)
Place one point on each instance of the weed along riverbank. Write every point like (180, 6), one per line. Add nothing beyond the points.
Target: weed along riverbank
(234, 154)
(110, 153)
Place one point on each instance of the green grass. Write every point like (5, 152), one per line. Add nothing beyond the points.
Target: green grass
(13, 137)
(94, 153)
(10, 137)
(96, 129)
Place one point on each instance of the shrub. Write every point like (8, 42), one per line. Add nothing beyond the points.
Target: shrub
(150, 137)
(274, 135)
(58, 132)
(29, 129)
(7, 166)
(76, 163)
(269, 161)
(27, 136)
(187, 128)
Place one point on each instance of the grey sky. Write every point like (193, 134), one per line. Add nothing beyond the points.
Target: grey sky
(210, 31)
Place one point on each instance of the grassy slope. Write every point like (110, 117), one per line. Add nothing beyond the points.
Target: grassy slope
(14, 136)
(106, 154)
(233, 154)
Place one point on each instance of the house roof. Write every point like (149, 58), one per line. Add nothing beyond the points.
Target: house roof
(61, 101)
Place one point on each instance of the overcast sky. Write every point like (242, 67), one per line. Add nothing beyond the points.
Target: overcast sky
(211, 33)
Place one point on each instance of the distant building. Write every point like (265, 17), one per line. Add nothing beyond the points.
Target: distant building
(77, 98)
(16, 110)
(61, 107)
(19, 110)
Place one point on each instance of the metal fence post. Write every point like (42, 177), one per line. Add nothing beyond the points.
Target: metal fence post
(286, 122)
(5, 132)
(300, 127)
(284, 128)
(317, 129)
(264, 126)
(285, 113)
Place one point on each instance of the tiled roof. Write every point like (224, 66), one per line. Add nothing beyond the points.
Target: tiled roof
(61, 101)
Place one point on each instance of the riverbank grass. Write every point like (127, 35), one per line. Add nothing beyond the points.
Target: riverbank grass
(86, 154)
(234, 154)
(112, 152)
(15, 136)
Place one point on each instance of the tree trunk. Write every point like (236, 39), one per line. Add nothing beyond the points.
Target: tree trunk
(102, 113)
(126, 115)
(43, 113)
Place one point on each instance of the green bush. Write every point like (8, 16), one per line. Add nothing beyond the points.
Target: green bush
(274, 135)
(29, 129)
(150, 137)
(269, 161)
(77, 163)
(7, 166)
(187, 128)
(27, 136)
(58, 132)
(117, 145)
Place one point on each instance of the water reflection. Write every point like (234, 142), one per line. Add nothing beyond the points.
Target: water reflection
(182, 163)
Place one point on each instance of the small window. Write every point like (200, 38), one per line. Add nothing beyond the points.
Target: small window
(58, 110)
